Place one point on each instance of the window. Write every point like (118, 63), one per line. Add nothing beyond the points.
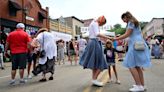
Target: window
(12, 12)
(13, 8)
(41, 16)
(77, 29)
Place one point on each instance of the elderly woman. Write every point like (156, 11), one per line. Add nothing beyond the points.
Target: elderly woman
(46, 62)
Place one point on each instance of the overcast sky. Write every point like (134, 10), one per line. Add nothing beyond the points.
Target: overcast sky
(143, 10)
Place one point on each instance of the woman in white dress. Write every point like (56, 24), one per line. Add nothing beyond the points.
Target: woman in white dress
(46, 63)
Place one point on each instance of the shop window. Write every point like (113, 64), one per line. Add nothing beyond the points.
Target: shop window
(13, 8)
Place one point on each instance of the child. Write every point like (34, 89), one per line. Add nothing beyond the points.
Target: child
(109, 51)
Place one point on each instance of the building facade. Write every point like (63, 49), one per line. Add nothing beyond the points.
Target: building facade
(75, 24)
(60, 25)
(60, 29)
(28, 12)
(154, 28)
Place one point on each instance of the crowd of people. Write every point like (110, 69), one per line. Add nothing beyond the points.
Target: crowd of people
(41, 50)
(38, 49)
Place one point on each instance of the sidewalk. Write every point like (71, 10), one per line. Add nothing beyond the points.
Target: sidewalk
(7, 64)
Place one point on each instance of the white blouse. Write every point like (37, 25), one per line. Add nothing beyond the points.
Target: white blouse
(93, 29)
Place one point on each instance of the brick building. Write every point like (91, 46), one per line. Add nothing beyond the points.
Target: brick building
(28, 12)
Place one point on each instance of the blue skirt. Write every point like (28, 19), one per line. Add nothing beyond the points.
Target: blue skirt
(93, 56)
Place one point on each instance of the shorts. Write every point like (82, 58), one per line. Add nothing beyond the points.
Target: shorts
(111, 62)
(72, 52)
(19, 61)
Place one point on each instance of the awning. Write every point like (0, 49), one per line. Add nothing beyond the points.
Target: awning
(15, 5)
(41, 15)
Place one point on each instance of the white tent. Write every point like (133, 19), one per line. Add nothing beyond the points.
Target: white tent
(63, 36)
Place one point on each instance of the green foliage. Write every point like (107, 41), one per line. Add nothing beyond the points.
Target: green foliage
(118, 29)
(117, 26)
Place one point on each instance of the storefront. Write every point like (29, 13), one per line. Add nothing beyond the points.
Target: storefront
(28, 12)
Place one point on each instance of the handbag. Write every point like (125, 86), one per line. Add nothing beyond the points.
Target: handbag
(42, 53)
(139, 45)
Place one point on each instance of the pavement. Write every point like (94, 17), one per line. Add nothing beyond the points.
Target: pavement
(73, 78)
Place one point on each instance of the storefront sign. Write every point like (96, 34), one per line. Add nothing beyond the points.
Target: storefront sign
(29, 18)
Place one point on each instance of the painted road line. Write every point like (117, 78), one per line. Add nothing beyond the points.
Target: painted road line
(5, 76)
(104, 80)
(89, 88)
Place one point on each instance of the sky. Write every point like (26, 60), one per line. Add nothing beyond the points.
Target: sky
(143, 10)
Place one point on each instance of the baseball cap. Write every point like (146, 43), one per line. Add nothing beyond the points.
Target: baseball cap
(20, 25)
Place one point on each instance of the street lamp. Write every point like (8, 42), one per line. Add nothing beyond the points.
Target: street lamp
(25, 10)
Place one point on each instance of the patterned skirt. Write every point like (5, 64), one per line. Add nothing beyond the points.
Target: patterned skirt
(45, 68)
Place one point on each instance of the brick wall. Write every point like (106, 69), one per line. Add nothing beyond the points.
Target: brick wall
(34, 7)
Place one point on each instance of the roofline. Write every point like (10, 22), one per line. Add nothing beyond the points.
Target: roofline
(158, 18)
(88, 19)
(74, 18)
(41, 6)
(155, 18)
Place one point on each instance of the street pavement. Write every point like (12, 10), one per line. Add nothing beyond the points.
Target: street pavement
(73, 78)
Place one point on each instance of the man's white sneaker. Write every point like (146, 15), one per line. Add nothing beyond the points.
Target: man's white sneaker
(12, 82)
(136, 88)
(97, 83)
(22, 81)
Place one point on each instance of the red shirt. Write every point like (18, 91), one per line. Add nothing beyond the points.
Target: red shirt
(18, 41)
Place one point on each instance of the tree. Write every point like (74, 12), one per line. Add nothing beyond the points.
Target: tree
(117, 26)
(117, 29)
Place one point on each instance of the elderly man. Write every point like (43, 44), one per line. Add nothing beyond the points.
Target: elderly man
(18, 42)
